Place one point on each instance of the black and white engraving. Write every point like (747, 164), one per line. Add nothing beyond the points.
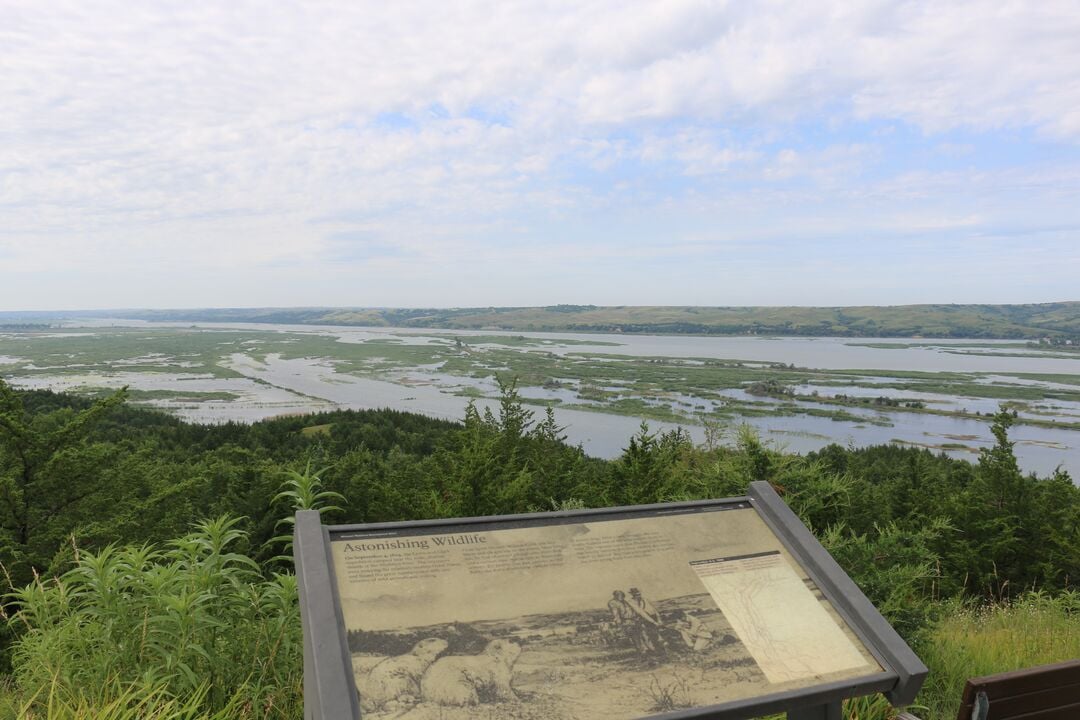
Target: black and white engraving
(600, 620)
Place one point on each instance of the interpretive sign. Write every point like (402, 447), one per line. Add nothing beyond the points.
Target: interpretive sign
(723, 608)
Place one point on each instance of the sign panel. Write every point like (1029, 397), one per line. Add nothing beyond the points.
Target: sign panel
(605, 616)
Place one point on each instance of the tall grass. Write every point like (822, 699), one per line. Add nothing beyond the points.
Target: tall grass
(115, 703)
(972, 641)
(193, 620)
(969, 642)
(867, 707)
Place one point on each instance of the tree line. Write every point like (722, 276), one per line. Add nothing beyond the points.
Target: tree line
(913, 528)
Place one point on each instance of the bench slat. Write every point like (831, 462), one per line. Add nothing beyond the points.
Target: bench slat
(1016, 705)
(1026, 693)
(1069, 712)
(1024, 681)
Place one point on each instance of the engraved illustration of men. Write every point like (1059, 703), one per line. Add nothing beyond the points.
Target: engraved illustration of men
(648, 619)
(625, 619)
(621, 613)
(397, 678)
(693, 631)
(472, 679)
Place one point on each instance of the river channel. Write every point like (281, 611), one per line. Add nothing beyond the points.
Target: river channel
(273, 385)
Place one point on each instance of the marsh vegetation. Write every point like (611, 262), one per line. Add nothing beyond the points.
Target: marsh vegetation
(804, 392)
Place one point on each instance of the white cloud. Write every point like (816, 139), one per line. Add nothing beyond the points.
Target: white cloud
(214, 135)
(827, 167)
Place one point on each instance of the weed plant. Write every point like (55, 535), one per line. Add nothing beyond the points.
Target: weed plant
(117, 703)
(970, 642)
(193, 620)
(867, 707)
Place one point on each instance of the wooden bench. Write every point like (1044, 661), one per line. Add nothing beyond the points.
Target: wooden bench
(1047, 692)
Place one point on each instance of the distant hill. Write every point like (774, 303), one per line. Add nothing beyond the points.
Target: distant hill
(1055, 320)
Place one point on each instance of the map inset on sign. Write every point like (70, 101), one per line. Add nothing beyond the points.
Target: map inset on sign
(612, 617)
(783, 626)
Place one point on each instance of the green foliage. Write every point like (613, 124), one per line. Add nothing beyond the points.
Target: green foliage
(496, 464)
(873, 707)
(970, 641)
(117, 702)
(195, 619)
(1014, 532)
(48, 479)
(988, 321)
(648, 470)
(304, 491)
(911, 527)
(895, 568)
(42, 474)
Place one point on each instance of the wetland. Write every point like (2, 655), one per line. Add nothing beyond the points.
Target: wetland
(798, 392)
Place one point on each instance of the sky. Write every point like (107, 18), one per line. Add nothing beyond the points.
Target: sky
(442, 154)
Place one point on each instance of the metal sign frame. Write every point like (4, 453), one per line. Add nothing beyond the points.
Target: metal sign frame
(330, 690)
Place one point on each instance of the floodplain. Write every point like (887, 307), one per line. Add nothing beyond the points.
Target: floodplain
(800, 392)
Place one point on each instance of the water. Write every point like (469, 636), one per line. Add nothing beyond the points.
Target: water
(808, 352)
(253, 401)
(933, 400)
(604, 435)
(301, 385)
(599, 434)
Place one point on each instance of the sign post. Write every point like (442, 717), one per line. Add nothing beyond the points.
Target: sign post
(716, 609)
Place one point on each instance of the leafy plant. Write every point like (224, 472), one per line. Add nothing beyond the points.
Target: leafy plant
(304, 491)
(195, 619)
(118, 703)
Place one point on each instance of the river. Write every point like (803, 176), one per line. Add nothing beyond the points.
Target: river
(276, 385)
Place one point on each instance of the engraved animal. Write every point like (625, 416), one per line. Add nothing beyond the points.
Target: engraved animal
(398, 677)
(472, 679)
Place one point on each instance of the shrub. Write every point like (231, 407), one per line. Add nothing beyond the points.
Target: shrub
(195, 619)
